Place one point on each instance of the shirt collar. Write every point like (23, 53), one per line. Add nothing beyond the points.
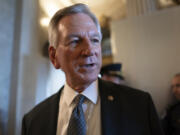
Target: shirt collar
(91, 92)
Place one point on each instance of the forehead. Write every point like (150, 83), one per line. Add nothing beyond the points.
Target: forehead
(75, 23)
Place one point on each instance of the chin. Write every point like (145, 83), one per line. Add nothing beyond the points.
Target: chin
(90, 78)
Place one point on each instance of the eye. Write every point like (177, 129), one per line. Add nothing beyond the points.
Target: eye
(74, 42)
(95, 40)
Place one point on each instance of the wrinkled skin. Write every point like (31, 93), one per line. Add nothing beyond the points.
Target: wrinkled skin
(78, 53)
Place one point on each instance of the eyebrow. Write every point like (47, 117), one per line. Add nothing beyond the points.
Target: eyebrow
(79, 35)
(72, 36)
(97, 35)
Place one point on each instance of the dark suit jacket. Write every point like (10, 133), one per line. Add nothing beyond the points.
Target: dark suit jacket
(129, 112)
(171, 122)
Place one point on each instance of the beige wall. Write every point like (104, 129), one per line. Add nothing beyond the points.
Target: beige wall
(149, 48)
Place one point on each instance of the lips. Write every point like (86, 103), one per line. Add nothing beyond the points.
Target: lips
(89, 66)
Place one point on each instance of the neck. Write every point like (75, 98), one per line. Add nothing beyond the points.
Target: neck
(80, 86)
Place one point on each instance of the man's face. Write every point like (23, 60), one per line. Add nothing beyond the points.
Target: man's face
(176, 87)
(78, 53)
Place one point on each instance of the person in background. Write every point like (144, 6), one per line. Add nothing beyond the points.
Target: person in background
(87, 105)
(171, 121)
(112, 72)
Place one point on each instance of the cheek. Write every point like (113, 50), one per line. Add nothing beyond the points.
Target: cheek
(71, 58)
(100, 58)
(98, 52)
(63, 59)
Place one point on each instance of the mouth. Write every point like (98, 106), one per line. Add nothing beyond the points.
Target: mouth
(88, 66)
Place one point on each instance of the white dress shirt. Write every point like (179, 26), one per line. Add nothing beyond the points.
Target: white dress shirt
(91, 108)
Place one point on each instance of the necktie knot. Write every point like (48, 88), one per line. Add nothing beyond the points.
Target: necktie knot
(80, 99)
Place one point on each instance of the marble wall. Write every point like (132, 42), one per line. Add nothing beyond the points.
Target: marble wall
(7, 8)
(148, 47)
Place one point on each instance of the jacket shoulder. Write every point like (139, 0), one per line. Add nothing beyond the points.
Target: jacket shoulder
(116, 89)
(44, 108)
(43, 116)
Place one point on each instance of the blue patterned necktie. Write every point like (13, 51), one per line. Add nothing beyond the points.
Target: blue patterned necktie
(77, 123)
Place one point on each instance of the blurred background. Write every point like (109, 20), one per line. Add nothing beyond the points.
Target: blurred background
(142, 35)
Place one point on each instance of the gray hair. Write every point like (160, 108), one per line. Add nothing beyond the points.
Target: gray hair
(74, 9)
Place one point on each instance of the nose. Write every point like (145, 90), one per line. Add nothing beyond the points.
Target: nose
(88, 48)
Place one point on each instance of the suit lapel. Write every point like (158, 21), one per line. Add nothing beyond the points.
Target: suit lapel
(53, 115)
(108, 109)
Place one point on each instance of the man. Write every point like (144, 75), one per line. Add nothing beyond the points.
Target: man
(111, 72)
(175, 86)
(171, 122)
(87, 105)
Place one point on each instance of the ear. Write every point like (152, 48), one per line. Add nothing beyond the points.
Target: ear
(52, 56)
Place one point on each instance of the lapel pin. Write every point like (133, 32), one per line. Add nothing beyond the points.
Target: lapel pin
(110, 98)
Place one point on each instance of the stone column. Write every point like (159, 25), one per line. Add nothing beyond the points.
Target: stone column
(140, 7)
(30, 68)
(7, 21)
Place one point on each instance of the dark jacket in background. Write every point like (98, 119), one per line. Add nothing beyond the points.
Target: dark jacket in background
(171, 122)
